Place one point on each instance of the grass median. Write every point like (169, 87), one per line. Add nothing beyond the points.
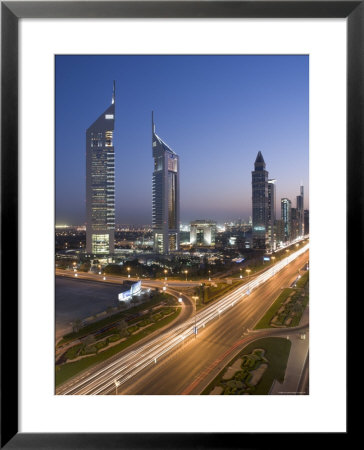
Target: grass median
(287, 310)
(276, 352)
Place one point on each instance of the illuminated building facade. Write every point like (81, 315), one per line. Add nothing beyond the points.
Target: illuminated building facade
(271, 213)
(165, 196)
(203, 232)
(260, 204)
(100, 183)
(286, 217)
(294, 224)
(306, 219)
(300, 213)
(128, 289)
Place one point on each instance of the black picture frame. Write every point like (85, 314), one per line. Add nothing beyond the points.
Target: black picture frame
(11, 12)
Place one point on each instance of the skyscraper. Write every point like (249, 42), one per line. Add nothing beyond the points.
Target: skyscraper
(260, 203)
(306, 218)
(286, 217)
(165, 192)
(294, 224)
(100, 183)
(300, 213)
(271, 212)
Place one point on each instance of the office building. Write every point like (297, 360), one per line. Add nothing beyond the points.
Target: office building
(203, 232)
(286, 217)
(260, 203)
(128, 289)
(165, 196)
(306, 217)
(300, 212)
(294, 224)
(100, 183)
(279, 231)
(271, 213)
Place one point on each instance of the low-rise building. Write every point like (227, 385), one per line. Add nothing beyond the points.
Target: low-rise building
(203, 232)
(128, 289)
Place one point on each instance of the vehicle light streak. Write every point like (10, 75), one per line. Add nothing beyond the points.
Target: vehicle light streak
(132, 363)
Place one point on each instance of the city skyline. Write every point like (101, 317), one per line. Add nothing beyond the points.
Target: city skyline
(215, 127)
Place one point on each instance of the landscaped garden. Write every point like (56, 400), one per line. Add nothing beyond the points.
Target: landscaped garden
(253, 370)
(99, 341)
(287, 310)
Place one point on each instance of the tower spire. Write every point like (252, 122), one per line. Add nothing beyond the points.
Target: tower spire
(113, 93)
(153, 124)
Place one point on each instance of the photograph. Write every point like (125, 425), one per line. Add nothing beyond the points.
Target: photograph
(182, 227)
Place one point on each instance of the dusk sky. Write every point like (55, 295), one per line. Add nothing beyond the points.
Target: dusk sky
(215, 112)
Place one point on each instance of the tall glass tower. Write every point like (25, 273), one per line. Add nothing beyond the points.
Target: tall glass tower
(260, 203)
(100, 183)
(165, 192)
(300, 212)
(286, 218)
(271, 212)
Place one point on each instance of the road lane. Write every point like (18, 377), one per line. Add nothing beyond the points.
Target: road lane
(175, 373)
(127, 367)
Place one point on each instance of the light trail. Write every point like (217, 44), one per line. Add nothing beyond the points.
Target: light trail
(130, 364)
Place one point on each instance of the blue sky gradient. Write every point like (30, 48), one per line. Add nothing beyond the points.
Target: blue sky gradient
(216, 112)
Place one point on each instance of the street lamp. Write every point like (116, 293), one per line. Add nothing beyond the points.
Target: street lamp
(165, 273)
(186, 272)
(195, 297)
(128, 269)
(241, 276)
(209, 275)
(248, 271)
(117, 384)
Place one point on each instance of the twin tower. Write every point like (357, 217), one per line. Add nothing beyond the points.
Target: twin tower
(100, 189)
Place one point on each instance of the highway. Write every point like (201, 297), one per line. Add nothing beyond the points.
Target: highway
(227, 319)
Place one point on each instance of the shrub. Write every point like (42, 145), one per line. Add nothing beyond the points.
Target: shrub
(132, 329)
(113, 338)
(73, 351)
(100, 345)
(89, 350)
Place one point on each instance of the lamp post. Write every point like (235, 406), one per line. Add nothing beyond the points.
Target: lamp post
(165, 273)
(248, 272)
(195, 297)
(128, 269)
(186, 272)
(273, 258)
(209, 275)
(117, 384)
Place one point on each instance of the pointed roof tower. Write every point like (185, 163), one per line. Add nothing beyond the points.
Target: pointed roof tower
(259, 162)
(157, 141)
